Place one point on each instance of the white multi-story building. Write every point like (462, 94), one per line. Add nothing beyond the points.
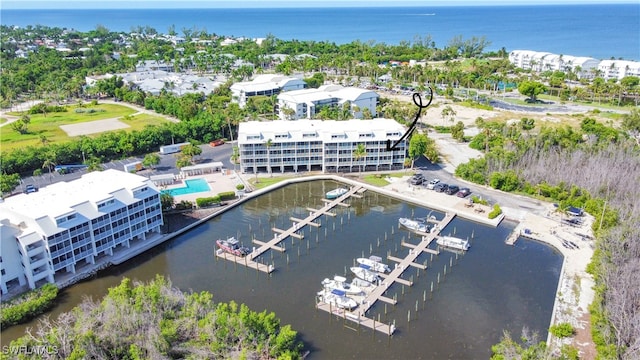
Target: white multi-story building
(583, 67)
(617, 69)
(320, 145)
(47, 234)
(306, 103)
(265, 85)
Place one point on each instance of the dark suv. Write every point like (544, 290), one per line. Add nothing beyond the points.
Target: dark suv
(30, 188)
(441, 187)
(452, 189)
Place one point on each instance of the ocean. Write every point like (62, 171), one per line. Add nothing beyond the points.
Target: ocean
(598, 31)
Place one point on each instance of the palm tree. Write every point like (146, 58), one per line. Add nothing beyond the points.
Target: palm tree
(268, 144)
(360, 152)
(448, 112)
(235, 155)
(49, 163)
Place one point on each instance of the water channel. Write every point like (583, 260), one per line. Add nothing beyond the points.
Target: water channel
(491, 288)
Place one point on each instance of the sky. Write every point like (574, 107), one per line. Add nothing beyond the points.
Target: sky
(103, 4)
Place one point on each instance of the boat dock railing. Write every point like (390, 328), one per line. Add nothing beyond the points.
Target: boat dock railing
(359, 314)
(281, 235)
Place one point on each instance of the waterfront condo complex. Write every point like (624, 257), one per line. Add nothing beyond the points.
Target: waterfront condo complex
(320, 145)
(49, 234)
(306, 103)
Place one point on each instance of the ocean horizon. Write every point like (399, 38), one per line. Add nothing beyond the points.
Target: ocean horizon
(600, 31)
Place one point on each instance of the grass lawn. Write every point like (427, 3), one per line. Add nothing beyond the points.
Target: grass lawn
(49, 126)
(3, 120)
(263, 182)
(379, 179)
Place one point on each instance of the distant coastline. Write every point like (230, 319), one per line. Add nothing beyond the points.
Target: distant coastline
(570, 27)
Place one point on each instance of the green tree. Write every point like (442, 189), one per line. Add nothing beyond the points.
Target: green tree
(21, 125)
(448, 113)
(268, 145)
(8, 183)
(151, 160)
(49, 163)
(457, 131)
(235, 156)
(417, 146)
(167, 201)
(360, 153)
(531, 89)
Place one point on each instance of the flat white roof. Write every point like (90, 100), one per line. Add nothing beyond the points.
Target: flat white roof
(59, 198)
(257, 132)
(325, 92)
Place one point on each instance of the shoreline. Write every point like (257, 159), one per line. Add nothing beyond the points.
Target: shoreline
(573, 294)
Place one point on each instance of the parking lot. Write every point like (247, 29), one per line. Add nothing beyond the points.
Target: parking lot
(167, 165)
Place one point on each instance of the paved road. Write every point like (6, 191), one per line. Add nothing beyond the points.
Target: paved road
(514, 205)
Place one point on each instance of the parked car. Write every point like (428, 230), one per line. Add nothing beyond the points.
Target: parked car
(441, 187)
(452, 189)
(463, 192)
(416, 179)
(215, 143)
(432, 183)
(30, 189)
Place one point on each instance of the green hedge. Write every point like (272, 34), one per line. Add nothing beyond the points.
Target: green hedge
(227, 195)
(28, 306)
(495, 212)
(208, 201)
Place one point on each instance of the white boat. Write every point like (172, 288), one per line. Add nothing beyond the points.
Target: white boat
(336, 193)
(365, 274)
(340, 283)
(374, 263)
(453, 242)
(413, 225)
(337, 298)
(363, 284)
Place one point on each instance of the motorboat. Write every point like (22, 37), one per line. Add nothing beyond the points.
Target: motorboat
(364, 272)
(337, 298)
(233, 247)
(414, 225)
(453, 242)
(374, 263)
(340, 283)
(363, 284)
(336, 193)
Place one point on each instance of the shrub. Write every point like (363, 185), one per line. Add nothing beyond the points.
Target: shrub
(208, 201)
(28, 306)
(227, 195)
(562, 330)
(495, 212)
(476, 200)
(240, 187)
(184, 205)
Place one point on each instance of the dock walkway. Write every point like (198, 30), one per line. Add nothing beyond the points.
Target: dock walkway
(281, 235)
(359, 314)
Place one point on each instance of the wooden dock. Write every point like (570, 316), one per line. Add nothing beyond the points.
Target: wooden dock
(281, 235)
(359, 314)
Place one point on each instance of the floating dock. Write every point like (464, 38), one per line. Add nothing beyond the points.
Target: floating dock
(281, 235)
(359, 314)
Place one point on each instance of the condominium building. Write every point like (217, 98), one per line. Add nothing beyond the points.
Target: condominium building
(308, 102)
(617, 69)
(320, 145)
(543, 61)
(265, 85)
(47, 234)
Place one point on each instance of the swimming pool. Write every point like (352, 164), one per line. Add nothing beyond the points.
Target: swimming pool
(193, 186)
